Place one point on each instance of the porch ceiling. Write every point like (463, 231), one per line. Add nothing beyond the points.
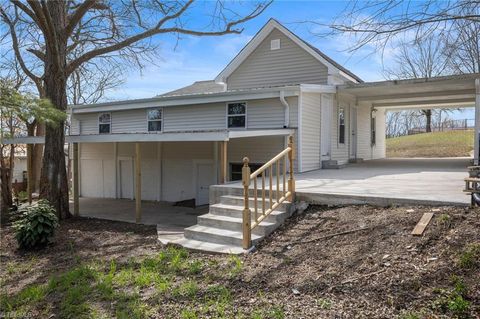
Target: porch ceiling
(448, 91)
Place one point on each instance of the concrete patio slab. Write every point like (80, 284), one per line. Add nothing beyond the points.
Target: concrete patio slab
(412, 181)
(170, 220)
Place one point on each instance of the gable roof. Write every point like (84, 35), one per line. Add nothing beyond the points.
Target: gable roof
(197, 87)
(333, 67)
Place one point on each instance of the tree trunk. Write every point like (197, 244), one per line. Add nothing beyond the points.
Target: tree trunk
(428, 114)
(53, 180)
(7, 200)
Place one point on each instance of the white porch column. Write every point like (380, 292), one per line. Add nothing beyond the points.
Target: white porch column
(138, 183)
(76, 184)
(477, 123)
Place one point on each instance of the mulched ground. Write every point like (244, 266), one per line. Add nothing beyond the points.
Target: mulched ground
(379, 270)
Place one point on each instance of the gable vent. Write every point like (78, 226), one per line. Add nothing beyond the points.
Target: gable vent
(275, 44)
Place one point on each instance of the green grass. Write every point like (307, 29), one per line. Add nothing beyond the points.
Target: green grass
(436, 144)
(105, 289)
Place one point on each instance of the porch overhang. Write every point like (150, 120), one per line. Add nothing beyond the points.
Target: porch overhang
(438, 92)
(200, 136)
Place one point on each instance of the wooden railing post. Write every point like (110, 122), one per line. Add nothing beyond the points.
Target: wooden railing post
(247, 232)
(291, 178)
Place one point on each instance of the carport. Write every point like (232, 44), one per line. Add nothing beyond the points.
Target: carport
(427, 93)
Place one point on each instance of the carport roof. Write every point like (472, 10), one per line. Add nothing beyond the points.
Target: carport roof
(444, 91)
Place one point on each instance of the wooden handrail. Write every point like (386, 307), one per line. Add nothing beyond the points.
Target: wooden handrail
(280, 195)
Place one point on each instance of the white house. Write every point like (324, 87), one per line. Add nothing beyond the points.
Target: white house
(196, 136)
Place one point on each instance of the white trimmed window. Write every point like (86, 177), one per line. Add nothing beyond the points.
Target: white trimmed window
(104, 123)
(154, 118)
(373, 125)
(237, 115)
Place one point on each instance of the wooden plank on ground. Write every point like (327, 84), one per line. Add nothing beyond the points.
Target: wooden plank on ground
(422, 224)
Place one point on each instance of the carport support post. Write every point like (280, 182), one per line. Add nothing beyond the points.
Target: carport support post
(76, 191)
(138, 184)
(477, 122)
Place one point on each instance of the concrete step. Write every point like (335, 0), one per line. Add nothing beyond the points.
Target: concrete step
(238, 200)
(277, 216)
(217, 235)
(206, 246)
(332, 164)
(234, 223)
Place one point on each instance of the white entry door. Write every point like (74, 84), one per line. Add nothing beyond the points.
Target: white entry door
(326, 126)
(204, 180)
(126, 178)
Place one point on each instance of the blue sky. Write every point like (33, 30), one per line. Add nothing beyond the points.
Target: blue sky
(202, 58)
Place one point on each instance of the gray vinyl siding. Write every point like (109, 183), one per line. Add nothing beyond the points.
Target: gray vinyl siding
(258, 149)
(261, 114)
(269, 113)
(88, 123)
(310, 132)
(288, 65)
(195, 117)
(133, 121)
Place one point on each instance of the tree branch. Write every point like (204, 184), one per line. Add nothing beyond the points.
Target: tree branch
(75, 18)
(157, 29)
(18, 55)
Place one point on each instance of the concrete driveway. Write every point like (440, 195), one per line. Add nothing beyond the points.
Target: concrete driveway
(388, 181)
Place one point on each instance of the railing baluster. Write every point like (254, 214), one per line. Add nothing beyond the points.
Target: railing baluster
(246, 216)
(255, 198)
(288, 155)
(284, 174)
(263, 193)
(278, 181)
(270, 197)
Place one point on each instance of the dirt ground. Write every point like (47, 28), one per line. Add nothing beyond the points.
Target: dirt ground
(346, 262)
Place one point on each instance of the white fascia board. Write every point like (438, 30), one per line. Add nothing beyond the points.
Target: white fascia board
(347, 77)
(188, 100)
(254, 133)
(145, 137)
(258, 38)
(24, 140)
(318, 88)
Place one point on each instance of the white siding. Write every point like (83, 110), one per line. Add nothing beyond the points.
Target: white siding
(88, 123)
(195, 117)
(364, 147)
(258, 149)
(379, 150)
(340, 151)
(261, 114)
(310, 131)
(97, 173)
(179, 168)
(133, 121)
(288, 65)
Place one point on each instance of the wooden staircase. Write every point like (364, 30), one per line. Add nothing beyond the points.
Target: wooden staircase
(220, 230)
(231, 226)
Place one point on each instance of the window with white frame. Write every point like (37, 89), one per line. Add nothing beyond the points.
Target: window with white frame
(373, 124)
(236, 115)
(154, 117)
(104, 123)
(341, 125)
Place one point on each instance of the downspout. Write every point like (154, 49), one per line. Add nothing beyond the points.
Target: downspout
(287, 109)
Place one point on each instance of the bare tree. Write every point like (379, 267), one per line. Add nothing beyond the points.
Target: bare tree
(377, 23)
(420, 59)
(74, 33)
